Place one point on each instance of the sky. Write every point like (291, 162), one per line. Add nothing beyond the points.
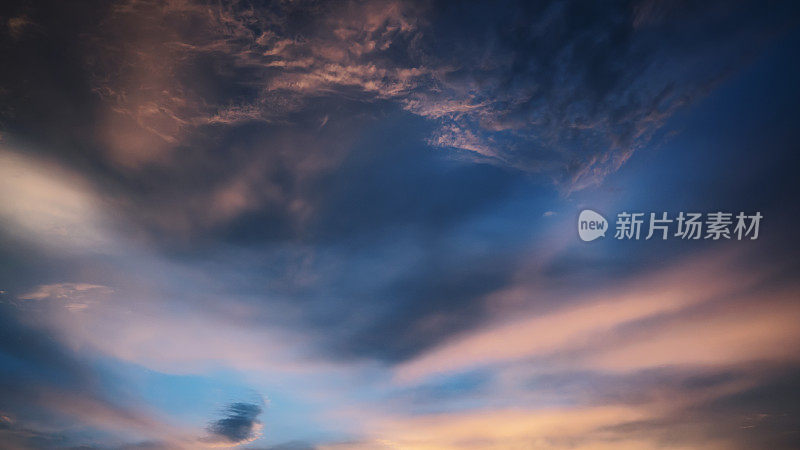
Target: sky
(354, 225)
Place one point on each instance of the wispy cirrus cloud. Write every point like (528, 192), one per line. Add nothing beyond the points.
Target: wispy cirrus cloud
(571, 93)
(270, 72)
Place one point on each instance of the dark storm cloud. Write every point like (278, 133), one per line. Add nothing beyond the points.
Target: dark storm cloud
(240, 424)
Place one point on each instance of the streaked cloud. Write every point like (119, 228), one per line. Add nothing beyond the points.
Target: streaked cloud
(362, 211)
(581, 322)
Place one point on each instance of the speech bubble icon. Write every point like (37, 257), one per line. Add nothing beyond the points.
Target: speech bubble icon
(591, 225)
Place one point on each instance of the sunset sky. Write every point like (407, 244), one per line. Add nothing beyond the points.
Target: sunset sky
(353, 224)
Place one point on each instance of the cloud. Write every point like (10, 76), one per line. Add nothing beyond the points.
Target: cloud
(573, 89)
(50, 206)
(611, 426)
(153, 105)
(75, 296)
(570, 90)
(594, 321)
(365, 266)
(239, 425)
(20, 25)
(719, 338)
(513, 428)
(51, 389)
(204, 116)
(675, 408)
(70, 291)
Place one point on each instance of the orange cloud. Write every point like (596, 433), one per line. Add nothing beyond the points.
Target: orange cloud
(589, 320)
(586, 428)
